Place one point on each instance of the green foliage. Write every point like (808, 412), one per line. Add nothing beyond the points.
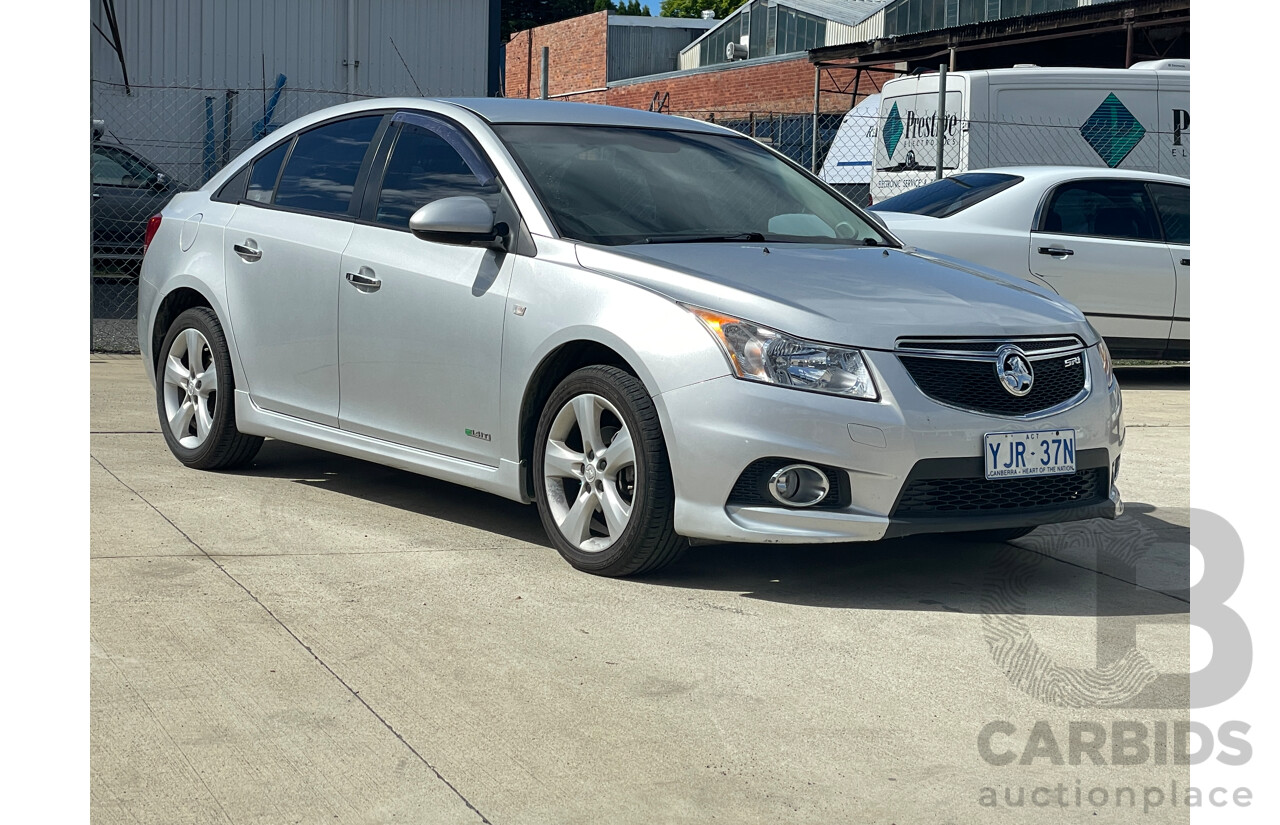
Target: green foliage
(632, 7)
(693, 8)
(518, 15)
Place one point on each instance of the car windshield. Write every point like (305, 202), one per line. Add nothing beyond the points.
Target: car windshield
(612, 186)
(949, 195)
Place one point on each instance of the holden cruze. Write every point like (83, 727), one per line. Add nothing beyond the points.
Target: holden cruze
(655, 328)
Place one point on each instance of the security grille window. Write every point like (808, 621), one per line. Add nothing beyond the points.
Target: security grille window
(111, 167)
(949, 195)
(1103, 208)
(1173, 204)
(321, 173)
(759, 13)
(424, 167)
(798, 32)
(911, 16)
(771, 30)
(262, 180)
(713, 48)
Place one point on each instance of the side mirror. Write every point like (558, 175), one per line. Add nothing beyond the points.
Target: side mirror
(464, 220)
(159, 180)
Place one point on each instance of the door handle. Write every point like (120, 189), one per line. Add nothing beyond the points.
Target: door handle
(1186, 262)
(1056, 251)
(364, 280)
(249, 253)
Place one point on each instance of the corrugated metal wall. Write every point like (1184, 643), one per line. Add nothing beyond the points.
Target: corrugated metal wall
(196, 67)
(839, 34)
(635, 51)
(222, 43)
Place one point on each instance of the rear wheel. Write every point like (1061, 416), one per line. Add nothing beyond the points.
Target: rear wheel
(195, 394)
(605, 492)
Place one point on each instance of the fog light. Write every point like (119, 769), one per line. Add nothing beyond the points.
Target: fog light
(799, 485)
(1115, 470)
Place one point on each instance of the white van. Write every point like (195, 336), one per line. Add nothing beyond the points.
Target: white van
(847, 166)
(1137, 118)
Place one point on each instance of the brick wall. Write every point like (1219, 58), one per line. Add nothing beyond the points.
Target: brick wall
(785, 86)
(578, 62)
(577, 59)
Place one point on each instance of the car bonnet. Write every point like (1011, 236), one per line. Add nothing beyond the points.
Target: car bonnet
(860, 296)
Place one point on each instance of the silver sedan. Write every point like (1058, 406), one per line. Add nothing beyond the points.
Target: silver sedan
(1115, 243)
(656, 329)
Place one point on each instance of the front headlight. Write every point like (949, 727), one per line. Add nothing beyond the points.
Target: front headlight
(758, 353)
(1107, 368)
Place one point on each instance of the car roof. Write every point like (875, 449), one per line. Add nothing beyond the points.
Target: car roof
(1050, 174)
(520, 110)
(497, 110)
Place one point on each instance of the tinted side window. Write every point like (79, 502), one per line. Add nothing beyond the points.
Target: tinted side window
(1105, 208)
(1173, 205)
(423, 168)
(262, 180)
(321, 173)
(111, 167)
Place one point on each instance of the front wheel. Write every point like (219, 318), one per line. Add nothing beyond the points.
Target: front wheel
(605, 492)
(195, 394)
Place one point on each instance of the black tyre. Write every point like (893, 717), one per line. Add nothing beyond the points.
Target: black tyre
(195, 395)
(604, 486)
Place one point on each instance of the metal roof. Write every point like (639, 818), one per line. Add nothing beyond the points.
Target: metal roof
(849, 12)
(662, 22)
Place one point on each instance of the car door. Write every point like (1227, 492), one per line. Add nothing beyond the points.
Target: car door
(420, 323)
(1173, 205)
(1098, 243)
(283, 262)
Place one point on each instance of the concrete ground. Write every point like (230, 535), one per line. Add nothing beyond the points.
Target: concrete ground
(319, 639)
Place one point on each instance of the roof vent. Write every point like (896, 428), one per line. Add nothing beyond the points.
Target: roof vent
(708, 14)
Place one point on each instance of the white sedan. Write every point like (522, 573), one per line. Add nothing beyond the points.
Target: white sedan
(1115, 243)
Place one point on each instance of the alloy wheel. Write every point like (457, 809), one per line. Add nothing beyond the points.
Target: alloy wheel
(589, 473)
(190, 388)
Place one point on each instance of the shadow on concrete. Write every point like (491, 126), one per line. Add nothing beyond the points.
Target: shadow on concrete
(1134, 566)
(1092, 568)
(1162, 377)
(398, 488)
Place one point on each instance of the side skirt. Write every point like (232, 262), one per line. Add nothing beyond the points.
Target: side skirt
(503, 480)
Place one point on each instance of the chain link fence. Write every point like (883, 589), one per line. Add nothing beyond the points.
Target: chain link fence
(872, 157)
(152, 142)
(149, 143)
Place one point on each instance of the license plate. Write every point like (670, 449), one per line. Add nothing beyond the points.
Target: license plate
(1045, 453)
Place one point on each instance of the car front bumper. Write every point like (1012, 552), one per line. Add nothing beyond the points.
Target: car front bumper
(716, 428)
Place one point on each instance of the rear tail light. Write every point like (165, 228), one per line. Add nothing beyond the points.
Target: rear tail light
(153, 225)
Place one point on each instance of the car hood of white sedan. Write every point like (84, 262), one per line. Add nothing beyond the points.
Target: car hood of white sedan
(859, 296)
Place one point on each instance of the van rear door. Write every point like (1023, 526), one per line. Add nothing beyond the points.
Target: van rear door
(1175, 123)
(906, 148)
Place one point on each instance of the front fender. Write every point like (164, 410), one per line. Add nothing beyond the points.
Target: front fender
(555, 302)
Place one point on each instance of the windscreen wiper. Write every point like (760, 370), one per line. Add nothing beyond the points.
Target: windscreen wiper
(750, 237)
